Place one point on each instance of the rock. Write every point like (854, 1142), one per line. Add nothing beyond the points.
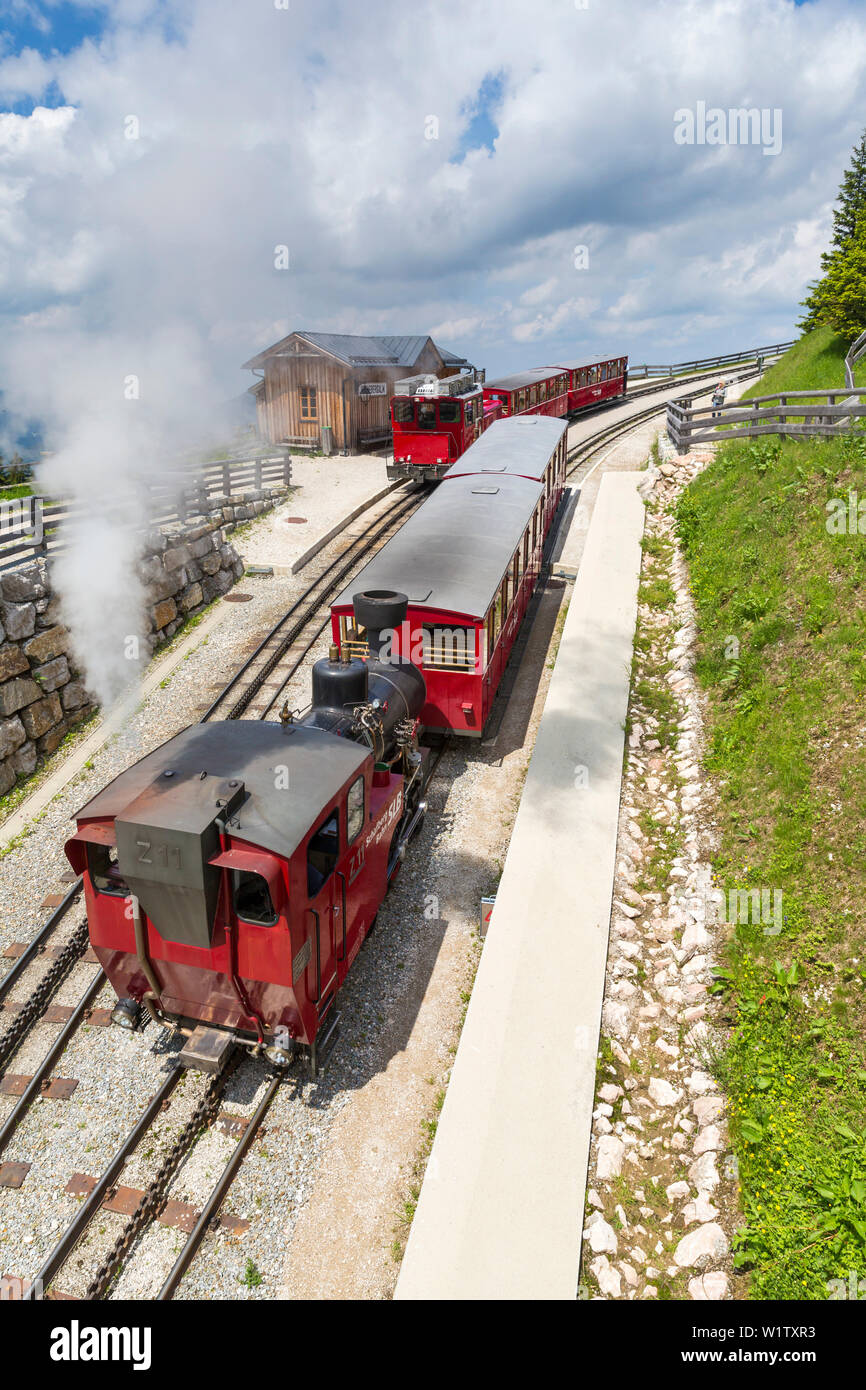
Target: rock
(51, 741)
(45, 645)
(24, 761)
(594, 1200)
(53, 674)
(7, 778)
(191, 597)
(15, 694)
(74, 695)
(176, 557)
(22, 585)
(710, 1286)
(629, 1273)
(677, 1191)
(12, 662)
(12, 736)
(625, 909)
(602, 1238)
(609, 1157)
(615, 1019)
(699, 1083)
(19, 619)
(703, 1173)
(608, 1278)
(211, 562)
(610, 1093)
(697, 1249)
(163, 613)
(214, 585)
(661, 1092)
(708, 1141)
(708, 1108)
(701, 1210)
(41, 716)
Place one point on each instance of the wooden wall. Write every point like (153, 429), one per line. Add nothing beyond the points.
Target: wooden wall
(278, 399)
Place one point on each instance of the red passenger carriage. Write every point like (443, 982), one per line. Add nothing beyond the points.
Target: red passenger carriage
(469, 560)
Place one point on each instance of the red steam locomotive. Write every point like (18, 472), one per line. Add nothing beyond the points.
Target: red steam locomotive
(232, 875)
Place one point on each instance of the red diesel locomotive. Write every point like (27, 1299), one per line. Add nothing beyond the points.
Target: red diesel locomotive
(469, 559)
(435, 424)
(231, 876)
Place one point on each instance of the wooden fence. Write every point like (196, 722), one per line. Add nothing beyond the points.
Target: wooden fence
(728, 359)
(787, 413)
(33, 526)
(791, 414)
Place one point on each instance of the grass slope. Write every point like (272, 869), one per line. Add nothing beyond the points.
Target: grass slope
(781, 607)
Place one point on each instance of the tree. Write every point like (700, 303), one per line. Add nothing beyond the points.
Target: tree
(849, 218)
(843, 288)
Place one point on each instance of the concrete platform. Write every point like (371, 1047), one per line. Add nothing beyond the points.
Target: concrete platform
(501, 1209)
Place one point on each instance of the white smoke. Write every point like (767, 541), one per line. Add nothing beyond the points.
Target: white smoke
(126, 414)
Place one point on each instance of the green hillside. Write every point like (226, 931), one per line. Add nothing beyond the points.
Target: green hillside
(781, 605)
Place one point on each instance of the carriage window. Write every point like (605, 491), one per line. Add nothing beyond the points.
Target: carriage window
(252, 898)
(355, 809)
(322, 853)
(404, 412)
(526, 550)
(427, 414)
(534, 530)
(309, 403)
(542, 391)
(522, 399)
(449, 412)
(449, 648)
(515, 565)
(496, 613)
(104, 872)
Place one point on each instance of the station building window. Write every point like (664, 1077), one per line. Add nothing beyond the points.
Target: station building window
(309, 403)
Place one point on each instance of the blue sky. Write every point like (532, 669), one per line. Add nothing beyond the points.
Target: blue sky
(509, 182)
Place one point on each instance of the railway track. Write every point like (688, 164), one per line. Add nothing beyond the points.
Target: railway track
(587, 449)
(253, 691)
(257, 685)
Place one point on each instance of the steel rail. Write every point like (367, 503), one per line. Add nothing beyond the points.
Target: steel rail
(11, 978)
(307, 597)
(27, 1098)
(217, 1196)
(583, 451)
(73, 1233)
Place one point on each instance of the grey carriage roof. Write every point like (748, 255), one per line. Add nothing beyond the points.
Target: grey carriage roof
(521, 446)
(318, 765)
(519, 379)
(589, 361)
(452, 553)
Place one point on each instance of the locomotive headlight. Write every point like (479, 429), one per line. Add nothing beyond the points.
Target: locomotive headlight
(126, 1014)
(280, 1054)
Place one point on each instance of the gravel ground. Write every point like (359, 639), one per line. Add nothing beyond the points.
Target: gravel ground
(391, 1046)
(117, 1073)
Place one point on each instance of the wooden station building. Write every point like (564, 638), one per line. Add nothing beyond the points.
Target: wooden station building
(332, 391)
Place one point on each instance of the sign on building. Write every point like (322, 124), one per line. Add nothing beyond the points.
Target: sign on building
(372, 388)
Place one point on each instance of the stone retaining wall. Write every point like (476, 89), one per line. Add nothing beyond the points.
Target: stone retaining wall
(185, 565)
